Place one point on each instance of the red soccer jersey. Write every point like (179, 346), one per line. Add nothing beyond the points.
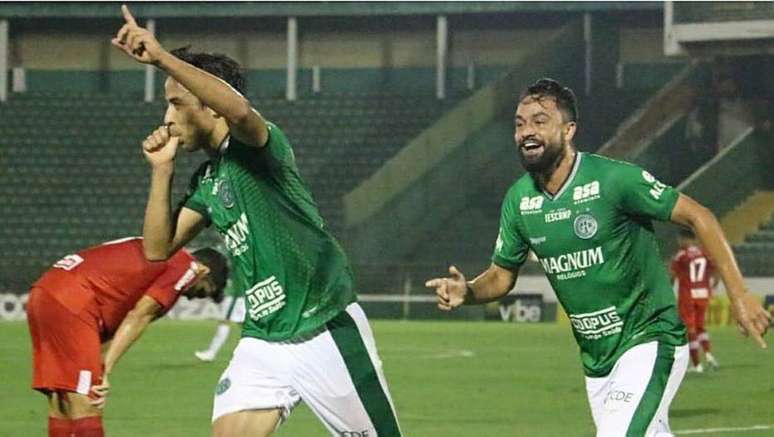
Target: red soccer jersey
(116, 275)
(693, 271)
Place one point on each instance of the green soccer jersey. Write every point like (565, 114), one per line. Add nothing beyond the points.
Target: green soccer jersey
(595, 241)
(294, 275)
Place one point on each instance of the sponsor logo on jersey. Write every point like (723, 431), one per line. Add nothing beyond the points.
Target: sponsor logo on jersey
(531, 205)
(69, 262)
(572, 265)
(558, 215)
(658, 187)
(535, 241)
(265, 298)
(585, 226)
(236, 236)
(598, 324)
(586, 193)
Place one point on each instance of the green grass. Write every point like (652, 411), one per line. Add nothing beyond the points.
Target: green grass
(523, 380)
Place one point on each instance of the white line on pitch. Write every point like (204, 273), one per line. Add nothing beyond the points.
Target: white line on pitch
(719, 430)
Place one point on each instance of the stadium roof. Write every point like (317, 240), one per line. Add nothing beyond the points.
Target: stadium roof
(298, 9)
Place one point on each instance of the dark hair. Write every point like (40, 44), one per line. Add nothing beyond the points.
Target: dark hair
(549, 88)
(216, 64)
(686, 233)
(218, 266)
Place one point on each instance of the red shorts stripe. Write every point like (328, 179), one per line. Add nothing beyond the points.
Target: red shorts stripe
(65, 346)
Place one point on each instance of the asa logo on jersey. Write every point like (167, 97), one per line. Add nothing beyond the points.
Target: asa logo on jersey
(572, 265)
(264, 298)
(586, 192)
(658, 187)
(531, 205)
(597, 324)
(236, 236)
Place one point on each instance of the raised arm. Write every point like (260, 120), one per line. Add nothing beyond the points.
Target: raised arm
(752, 318)
(453, 291)
(245, 123)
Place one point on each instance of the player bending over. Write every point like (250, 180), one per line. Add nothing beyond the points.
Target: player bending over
(90, 297)
(304, 337)
(589, 221)
(695, 276)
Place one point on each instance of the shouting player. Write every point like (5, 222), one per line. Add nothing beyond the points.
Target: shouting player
(695, 276)
(304, 337)
(589, 221)
(90, 297)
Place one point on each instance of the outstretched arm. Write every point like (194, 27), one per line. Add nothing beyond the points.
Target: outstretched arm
(131, 328)
(245, 123)
(752, 318)
(453, 291)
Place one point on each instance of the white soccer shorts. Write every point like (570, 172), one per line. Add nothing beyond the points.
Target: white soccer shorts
(633, 400)
(337, 372)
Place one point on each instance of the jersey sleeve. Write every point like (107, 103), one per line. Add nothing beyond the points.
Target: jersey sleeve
(641, 194)
(510, 249)
(176, 278)
(278, 145)
(193, 198)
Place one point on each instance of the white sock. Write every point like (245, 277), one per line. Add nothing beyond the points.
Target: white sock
(221, 335)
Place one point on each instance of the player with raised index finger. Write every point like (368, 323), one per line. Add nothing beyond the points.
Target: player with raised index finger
(304, 337)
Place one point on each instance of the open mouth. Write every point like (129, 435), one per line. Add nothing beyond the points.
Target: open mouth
(532, 148)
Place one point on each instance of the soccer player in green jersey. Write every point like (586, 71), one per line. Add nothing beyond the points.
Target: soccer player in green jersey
(304, 337)
(589, 221)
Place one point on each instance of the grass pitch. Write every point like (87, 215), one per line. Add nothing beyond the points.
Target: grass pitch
(447, 379)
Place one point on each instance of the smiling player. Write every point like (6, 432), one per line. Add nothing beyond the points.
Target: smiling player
(589, 221)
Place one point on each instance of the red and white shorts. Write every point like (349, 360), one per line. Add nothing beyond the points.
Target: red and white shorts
(66, 346)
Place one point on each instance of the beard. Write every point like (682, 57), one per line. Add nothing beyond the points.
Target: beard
(546, 161)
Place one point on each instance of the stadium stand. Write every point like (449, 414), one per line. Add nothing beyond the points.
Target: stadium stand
(756, 254)
(73, 174)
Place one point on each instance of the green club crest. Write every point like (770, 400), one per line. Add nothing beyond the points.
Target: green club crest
(222, 386)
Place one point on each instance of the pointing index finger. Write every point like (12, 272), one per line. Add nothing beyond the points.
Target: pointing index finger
(128, 16)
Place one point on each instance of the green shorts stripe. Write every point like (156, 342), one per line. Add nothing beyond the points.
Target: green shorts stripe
(648, 406)
(347, 338)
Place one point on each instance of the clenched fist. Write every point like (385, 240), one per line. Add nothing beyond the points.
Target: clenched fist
(160, 147)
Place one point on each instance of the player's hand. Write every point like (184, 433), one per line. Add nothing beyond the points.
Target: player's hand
(752, 319)
(451, 290)
(137, 41)
(160, 147)
(100, 393)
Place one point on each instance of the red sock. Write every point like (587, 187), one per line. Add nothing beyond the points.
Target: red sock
(88, 427)
(59, 427)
